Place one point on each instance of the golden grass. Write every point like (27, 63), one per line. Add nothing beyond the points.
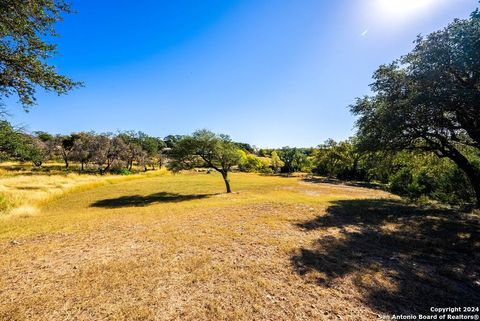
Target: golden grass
(176, 247)
(22, 192)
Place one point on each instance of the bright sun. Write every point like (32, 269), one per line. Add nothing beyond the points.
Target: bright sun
(402, 8)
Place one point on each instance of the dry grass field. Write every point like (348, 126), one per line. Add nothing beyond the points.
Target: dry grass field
(24, 190)
(175, 247)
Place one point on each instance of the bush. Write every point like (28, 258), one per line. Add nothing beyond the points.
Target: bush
(453, 187)
(266, 170)
(412, 183)
(400, 181)
(442, 181)
(121, 171)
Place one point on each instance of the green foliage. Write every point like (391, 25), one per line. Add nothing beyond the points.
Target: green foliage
(294, 160)
(453, 187)
(172, 140)
(276, 162)
(44, 137)
(32, 149)
(265, 152)
(205, 149)
(420, 175)
(253, 164)
(400, 181)
(246, 147)
(65, 145)
(341, 160)
(416, 175)
(120, 171)
(412, 174)
(10, 140)
(24, 26)
(83, 149)
(428, 100)
(17, 145)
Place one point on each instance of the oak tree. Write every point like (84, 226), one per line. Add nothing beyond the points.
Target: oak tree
(204, 148)
(25, 27)
(429, 99)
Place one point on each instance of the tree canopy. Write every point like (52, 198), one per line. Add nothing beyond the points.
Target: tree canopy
(294, 159)
(204, 148)
(429, 99)
(24, 52)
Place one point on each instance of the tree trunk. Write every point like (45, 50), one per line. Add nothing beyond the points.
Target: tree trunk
(82, 166)
(66, 162)
(106, 168)
(227, 181)
(355, 168)
(473, 174)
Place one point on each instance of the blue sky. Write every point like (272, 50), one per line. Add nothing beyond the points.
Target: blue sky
(270, 73)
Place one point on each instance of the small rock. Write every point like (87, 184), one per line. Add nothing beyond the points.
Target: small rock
(14, 242)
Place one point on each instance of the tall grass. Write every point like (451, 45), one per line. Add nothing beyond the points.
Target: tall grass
(23, 192)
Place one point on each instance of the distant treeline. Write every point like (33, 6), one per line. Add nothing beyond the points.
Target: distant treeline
(413, 174)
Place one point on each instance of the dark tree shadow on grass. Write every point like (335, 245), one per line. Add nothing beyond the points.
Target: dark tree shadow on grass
(329, 180)
(139, 200)
(425, 257)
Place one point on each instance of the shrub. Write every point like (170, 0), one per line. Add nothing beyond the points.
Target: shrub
(453, 186)
(121, 171)
(400, 181)
(442, 181)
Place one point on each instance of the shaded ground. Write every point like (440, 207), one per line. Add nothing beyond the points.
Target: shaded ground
(400, 259)
(139, 200)
(172, 248)
(329, 180)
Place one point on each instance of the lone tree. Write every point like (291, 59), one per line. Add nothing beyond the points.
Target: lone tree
(23, 51)
(66, 146)
(204, 148)
(429, 99)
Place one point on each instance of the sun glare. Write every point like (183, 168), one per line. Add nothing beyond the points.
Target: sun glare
(402, 8)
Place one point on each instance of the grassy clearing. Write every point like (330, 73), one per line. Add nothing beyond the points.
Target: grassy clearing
(176, 248)
(23, 192)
